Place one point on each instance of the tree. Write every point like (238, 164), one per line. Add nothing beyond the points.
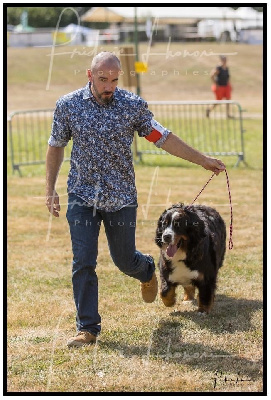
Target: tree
(255, 8)
(45, 17)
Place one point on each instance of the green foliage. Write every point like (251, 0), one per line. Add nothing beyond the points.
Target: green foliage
(44, 17)
(260, 9)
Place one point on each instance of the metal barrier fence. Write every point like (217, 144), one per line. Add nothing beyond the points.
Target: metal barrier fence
(29, 132)
(217, 135)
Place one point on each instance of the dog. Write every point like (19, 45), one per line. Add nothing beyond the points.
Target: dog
(192, 242)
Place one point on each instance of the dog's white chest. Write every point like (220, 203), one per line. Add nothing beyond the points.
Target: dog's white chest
(181, 274)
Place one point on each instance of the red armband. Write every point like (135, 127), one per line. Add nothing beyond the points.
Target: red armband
(154, 136)
(157, 132)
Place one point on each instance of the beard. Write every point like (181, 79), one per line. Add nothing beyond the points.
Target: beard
(104, 97)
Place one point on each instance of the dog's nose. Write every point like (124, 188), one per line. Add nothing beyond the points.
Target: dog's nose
(167, 238)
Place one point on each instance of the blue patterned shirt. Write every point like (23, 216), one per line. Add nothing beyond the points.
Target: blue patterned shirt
(101, 166)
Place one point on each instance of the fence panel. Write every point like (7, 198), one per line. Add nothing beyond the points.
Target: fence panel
(29, 132)
(217, 135)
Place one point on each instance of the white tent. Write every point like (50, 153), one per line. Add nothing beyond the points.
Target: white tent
(211, 21)
(177, 12)
(81, 35)
(72, 28)
(249, 13)
(211, 13)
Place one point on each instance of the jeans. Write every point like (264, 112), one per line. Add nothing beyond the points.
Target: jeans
(85, 222)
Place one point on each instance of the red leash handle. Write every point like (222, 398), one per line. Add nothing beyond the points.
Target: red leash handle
(229, 191)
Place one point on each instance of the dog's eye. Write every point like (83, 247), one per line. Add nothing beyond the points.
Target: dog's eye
(164, 224)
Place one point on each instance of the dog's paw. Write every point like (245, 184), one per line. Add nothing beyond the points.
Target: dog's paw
(168, 302)
(169, 297)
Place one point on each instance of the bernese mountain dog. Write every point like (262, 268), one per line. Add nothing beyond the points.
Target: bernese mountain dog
(192, 241)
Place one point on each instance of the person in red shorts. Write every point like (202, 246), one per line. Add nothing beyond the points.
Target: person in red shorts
(221, 84)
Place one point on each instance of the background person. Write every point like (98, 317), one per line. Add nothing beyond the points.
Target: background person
(101, 120)
(221, 85)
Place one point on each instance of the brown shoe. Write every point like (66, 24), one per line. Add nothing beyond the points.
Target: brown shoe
(82, 338)
(149, 289)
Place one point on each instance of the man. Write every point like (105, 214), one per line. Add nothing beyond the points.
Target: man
(221, 85)
(101, 119)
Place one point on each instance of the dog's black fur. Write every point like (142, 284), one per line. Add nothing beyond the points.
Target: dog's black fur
(197, 235)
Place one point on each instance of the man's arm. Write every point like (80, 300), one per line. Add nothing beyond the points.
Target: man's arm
(214, 75)
(54, 159)
(178, 148)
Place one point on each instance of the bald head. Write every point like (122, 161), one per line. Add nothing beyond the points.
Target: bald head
(103, 76)
(105, 60)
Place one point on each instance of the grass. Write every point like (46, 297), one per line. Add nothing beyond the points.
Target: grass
(170, 76)
(142, 347)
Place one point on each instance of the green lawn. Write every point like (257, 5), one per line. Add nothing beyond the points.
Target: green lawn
(142, 347)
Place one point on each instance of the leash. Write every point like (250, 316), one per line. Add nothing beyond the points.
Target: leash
(229, 191)
(231, 224)
(202, 189)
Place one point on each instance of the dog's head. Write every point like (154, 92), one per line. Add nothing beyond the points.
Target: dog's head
(178, 226)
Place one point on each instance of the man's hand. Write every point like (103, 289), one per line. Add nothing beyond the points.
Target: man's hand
(214, 165)
(52, 203)
(54, 159)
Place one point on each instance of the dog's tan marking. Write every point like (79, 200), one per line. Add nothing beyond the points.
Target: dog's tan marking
(170, 299)
(184, 237)
(189, 293)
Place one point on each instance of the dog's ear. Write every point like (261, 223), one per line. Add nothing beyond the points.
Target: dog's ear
(195, 226)
(196, 233)
(178, 205)
(159, 229)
